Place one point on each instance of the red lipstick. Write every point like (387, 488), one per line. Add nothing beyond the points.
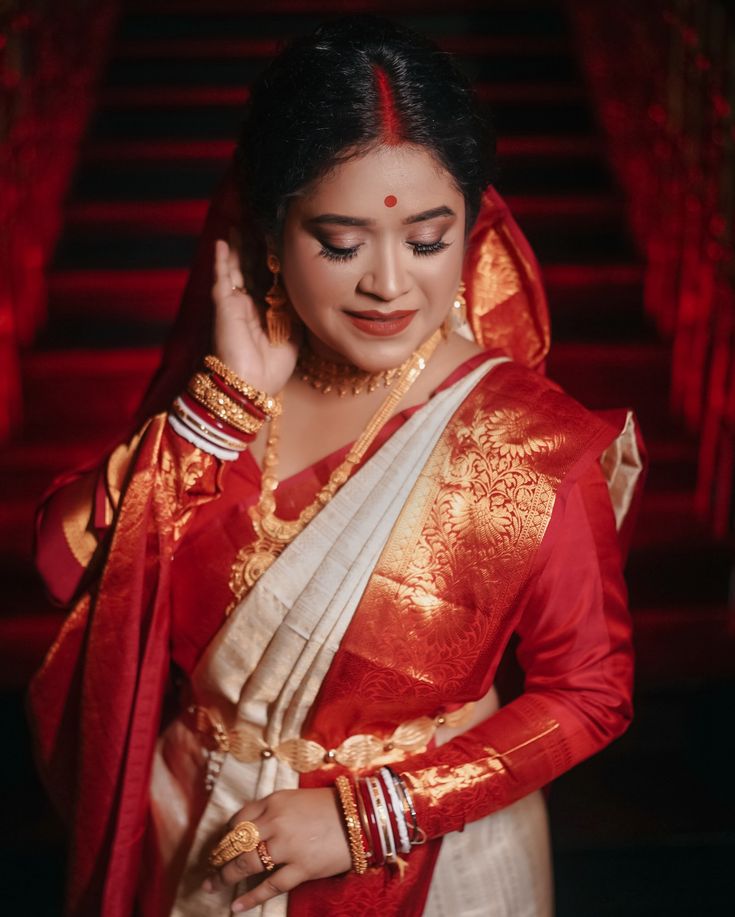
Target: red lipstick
(381, 324)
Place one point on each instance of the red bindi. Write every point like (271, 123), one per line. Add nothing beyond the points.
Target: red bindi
(391, 200)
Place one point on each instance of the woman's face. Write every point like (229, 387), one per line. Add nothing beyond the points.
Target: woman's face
(372, 255)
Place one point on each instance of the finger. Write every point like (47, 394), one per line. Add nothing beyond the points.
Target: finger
(223, 283)
(251, 811)
(275, 883)
(235, 270)
(233, 259)
(244, 865)
(221, 261)
(235, 266)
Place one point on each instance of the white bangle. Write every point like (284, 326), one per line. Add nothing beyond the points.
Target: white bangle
(383, 818)
(375, 804)
(227, 455)
(395, 802)
(201, 426)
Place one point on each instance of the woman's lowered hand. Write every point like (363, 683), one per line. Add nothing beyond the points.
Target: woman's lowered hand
(304, 835)
(240, 340)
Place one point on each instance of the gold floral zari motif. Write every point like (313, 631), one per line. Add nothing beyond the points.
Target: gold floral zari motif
(357, 752)
(177, 478)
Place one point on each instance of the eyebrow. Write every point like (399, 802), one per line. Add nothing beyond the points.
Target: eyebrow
(341, 220)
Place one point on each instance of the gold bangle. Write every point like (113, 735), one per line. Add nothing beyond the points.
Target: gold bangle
(267, 403)
(205, 391)
(352, 823)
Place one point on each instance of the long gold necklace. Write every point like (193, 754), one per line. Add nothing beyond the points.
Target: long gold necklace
(326, 376)
(273, 534)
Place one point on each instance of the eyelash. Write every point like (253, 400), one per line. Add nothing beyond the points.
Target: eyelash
(420, 249)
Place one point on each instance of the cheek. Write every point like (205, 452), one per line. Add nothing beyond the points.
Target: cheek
(440, 279)
(315, 284)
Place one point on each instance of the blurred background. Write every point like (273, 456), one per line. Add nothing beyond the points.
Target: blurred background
(616, 133)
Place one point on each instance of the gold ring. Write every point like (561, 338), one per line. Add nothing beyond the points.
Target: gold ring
(243, 838)
(265, 858)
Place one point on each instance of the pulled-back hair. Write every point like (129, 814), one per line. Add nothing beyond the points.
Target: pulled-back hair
(352, 84)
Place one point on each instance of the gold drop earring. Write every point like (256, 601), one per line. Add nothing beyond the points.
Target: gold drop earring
(277, 318)
(457, 314)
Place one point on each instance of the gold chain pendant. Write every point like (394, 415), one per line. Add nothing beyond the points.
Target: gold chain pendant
(273, 534)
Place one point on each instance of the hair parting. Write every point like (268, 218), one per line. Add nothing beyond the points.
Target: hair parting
(392, 134)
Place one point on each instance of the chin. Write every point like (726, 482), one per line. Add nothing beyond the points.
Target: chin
(377, 355)
(369, 354)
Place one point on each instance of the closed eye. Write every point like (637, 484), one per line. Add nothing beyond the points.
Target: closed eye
(333, 253)
(428, 248)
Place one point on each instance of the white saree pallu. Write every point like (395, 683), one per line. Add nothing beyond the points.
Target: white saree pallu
(499, 866)
(263, 669)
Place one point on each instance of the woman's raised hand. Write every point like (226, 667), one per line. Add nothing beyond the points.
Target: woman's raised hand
(304, 836)
(240, 340)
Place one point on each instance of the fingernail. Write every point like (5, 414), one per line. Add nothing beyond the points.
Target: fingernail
(237, 907)
(207, 885)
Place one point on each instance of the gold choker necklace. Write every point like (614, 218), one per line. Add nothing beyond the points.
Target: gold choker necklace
(343, 378)
(273, 534)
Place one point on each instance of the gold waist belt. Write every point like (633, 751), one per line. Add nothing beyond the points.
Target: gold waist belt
(357, 752)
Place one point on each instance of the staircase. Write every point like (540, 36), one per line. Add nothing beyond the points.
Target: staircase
(646, 828)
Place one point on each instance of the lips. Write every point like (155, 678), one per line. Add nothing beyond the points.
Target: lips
(381, 324)
(381, 316)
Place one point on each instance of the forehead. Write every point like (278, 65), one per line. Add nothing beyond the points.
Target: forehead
(361, 185)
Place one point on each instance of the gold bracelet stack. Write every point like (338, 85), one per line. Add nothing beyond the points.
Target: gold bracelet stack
(352, 823)
(206, 391)
(269, 405)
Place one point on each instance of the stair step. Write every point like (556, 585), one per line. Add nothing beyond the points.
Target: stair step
(146, 151)
(600, 300)
(146, 296)
(276, 9)
(137, 216)
(186, 18)
(98, 251)
(196, 47)
(688, 644)
(96, 391)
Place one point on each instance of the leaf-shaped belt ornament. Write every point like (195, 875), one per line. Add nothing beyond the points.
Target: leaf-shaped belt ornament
(356, 753)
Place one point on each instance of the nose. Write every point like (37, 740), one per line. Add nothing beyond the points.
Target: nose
(385, 278)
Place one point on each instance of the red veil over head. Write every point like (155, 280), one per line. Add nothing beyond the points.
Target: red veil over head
(506, 301)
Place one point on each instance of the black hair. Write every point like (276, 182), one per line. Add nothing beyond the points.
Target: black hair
(319, 102)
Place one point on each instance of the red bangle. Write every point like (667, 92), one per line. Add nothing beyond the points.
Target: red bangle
(378, 859)
(237, 397)
(221, 425)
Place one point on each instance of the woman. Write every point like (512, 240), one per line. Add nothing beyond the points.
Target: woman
(275, 690)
